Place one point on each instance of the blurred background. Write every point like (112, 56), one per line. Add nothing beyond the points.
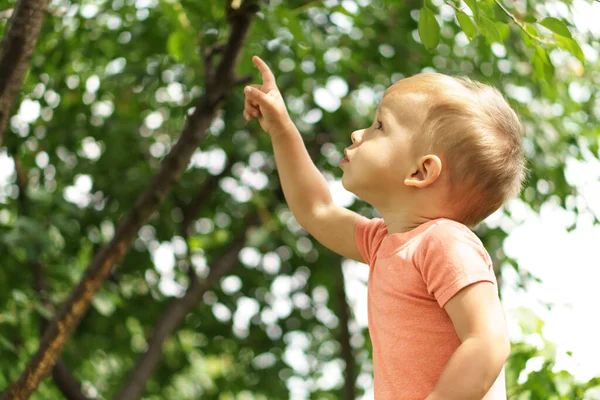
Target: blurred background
(221, 294)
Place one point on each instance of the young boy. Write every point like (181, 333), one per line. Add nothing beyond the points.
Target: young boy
(442, 154)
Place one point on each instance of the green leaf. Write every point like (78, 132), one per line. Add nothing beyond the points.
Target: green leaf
(467, 25)
(489, 29)
(429, 29)
(10, 317)
(530, 18)
(556, 26)
(103, 303)
(487, 10)
(503, 29)
(297, 30)
(571, 46)
(197, 242)
(258, 236)
(473, 6)
(549, 350)
(527, 320)
(7, 344)
(221, 236)
(175, 45)
(293, 22)
(538, 64)
(43, 311)
(180, 46)
(528, 40)
(19, 296)
(543, 67)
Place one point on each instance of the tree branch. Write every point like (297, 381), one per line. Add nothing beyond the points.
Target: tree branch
(344, 337)
(242, 80)
(176, 311)
(171, 318)
(16, 48)
(170, 170)
(64, 380)
(22, 183)
(240, 24)
(201, 198)
(521, 24)
(207, 57)
(69, 386)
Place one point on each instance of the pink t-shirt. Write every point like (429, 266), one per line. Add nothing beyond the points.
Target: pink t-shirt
(411, 277)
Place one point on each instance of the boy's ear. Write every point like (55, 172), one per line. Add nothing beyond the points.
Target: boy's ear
(426, 172)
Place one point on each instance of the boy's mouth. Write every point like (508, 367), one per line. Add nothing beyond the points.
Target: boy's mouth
(346, 156)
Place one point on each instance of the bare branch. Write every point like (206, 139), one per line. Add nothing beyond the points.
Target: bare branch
(522, 24)
(69, 386)
(170, 170)
(344, 338)
(16, 49)
(242, 80)
(191, 211)
(64, 380)
(302, 9)
(208, 54)
(22, 183)
(173, 316)
(170, 320)
(226, 71)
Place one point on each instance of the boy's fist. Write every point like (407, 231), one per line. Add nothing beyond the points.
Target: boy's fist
(265, 102)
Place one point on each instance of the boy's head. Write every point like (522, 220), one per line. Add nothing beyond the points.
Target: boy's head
(457, 139)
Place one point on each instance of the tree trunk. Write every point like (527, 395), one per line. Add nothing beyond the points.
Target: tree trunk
(170, 170)
(17, 46)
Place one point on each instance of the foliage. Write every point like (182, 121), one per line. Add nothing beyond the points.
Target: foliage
(105, 99)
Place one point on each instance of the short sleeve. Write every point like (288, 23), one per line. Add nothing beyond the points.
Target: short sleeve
(369, 234)
(452, 257)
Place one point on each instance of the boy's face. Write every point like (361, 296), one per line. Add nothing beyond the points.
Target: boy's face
(381, 156)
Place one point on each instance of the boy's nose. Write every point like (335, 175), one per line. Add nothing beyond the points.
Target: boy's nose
(356, 135)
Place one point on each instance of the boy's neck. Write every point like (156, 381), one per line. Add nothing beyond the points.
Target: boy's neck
(397, 224)
(405, 217)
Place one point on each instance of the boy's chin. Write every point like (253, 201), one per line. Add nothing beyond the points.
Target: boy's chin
(345, 182)
(348, 186)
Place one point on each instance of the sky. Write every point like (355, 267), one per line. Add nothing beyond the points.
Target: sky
(566, 262)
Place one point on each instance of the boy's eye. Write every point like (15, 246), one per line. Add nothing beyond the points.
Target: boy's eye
(379, 125)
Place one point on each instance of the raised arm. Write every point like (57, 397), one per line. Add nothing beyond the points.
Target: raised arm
(304, 187)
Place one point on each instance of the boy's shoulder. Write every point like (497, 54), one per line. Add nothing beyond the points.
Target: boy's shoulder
(439, 235)
(446, 226)
(446, 235)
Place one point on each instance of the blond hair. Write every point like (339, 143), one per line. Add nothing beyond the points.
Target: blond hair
(480, 136)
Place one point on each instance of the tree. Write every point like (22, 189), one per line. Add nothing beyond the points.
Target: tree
(110, 87)
(16, 48)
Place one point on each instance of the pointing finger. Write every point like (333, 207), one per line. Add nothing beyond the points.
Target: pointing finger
(267, 76)
(250, 102)
(257, 97)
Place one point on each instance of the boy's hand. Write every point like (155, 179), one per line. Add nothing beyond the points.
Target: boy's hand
(265, 102)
